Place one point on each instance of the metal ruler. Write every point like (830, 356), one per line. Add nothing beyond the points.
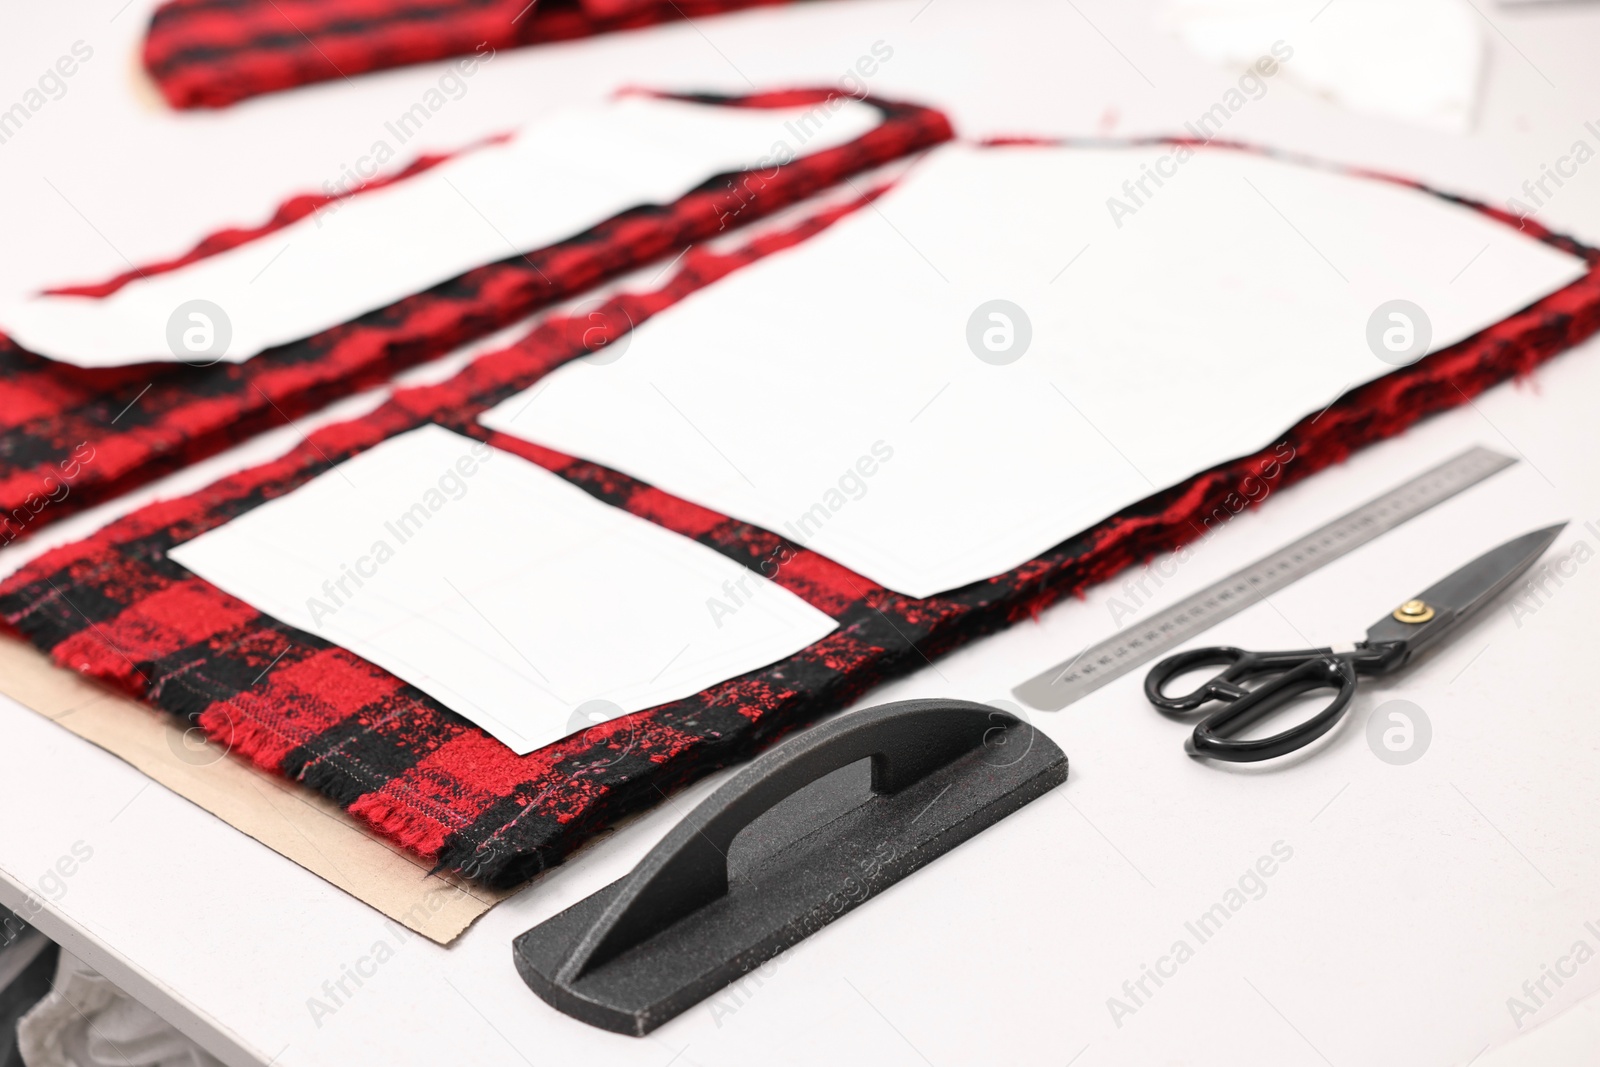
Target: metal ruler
(1081, 675)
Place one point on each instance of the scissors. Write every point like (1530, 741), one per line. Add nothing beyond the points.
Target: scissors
(1254, 684)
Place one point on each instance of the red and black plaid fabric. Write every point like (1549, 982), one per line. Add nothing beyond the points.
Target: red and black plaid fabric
(116, 608)
(212, 53)
(71, 438)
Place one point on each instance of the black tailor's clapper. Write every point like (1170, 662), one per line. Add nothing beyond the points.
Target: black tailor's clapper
(804, 834)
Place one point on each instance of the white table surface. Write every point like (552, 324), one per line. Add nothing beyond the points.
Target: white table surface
(999, 951)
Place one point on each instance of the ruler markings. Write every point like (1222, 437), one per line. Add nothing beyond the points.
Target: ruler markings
(1066, 682)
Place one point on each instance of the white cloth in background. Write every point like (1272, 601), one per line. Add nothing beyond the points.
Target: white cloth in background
(1415, 60)
(86, 1021)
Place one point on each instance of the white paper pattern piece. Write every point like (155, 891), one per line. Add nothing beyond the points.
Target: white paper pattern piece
(829, 392)
(556, 178)
(503, 591)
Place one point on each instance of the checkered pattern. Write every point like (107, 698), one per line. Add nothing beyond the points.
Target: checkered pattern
(116, 608)
(212, 53)
(70, 437)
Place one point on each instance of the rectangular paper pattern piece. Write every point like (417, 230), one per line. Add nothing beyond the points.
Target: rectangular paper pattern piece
(506, 593)
(1131, 351)
(555, 178)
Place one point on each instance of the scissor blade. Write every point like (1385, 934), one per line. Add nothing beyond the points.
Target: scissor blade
(1474, 585)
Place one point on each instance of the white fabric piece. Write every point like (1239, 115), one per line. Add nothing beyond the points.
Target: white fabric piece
(86, 1021)
(1190, 331)
(556, 178)
(504, 591)
(1415, 60)
(16, 956)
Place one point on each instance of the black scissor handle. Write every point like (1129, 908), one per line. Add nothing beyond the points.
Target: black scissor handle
(1296, 673)
(1238, 664)
(1215, 737)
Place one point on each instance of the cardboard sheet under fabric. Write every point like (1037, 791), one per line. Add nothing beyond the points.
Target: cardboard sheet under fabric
(71, 437)
(212, 53)
(115, 608)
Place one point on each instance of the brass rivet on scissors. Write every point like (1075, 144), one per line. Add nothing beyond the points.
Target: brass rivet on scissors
(1414, 611)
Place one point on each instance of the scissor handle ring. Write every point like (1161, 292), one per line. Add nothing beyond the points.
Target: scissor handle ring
(1237, 664)
(1212, 738)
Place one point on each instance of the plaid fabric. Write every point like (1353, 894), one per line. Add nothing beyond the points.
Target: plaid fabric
(71, 438)
(116, 608)
(212, 53)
